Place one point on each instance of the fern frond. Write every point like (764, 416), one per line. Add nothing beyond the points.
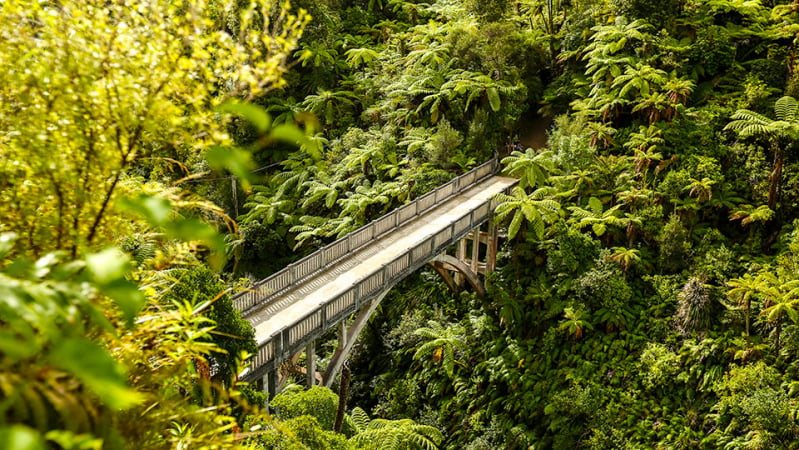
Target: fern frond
(786, 109)
(360, 419)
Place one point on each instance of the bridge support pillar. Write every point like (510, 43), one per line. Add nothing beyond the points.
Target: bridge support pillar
(485, 243)
(270, 382)
(310, 364)
(348, 338)
(460, 254)
(493, 246)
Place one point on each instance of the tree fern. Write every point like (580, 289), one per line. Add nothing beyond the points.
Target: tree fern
(536, 208)
(786, 109)
(779, 132)
(596, 217)
(749, 123)
(531, 167)
(357, 57)
(384, 434)
(441, 344)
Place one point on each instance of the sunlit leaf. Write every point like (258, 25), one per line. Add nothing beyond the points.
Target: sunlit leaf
(156, 210)
(7, 241)
(95, 367)
(252, 113)
(493, 98)
(19, 437)
(235, 160)
(108, 269)
(107, 266)
(127, 296)
(292, 134)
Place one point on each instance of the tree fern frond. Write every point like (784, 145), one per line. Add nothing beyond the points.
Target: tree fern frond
(786, 109)
(359, 419)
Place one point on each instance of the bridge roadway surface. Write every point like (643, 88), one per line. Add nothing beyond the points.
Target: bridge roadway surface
(321, 288)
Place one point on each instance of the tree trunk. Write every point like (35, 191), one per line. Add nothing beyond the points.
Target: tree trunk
(343, 393)
(775, 178)
(748, 311)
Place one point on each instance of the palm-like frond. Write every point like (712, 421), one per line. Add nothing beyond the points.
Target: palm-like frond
(749, 123)
(357, 57)
(531, 167)
(786, 109)
(360, 420)
(537, 208)
(403, 434)
(442, 343)
(596, 217)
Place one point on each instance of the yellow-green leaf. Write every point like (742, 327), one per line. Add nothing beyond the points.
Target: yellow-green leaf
(95, 367)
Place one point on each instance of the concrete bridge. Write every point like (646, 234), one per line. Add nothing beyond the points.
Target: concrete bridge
(292, 308)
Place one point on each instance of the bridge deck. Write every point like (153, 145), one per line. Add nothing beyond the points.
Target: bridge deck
(298, 301)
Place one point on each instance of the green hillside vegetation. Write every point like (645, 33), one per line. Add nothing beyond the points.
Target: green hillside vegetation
(157, 156)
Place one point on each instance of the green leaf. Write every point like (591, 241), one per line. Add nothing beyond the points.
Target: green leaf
(127, 296)
(196, 230)
(493, 98)
(254, 114)
(107, 266)
(292, 134)
(434, 112)
(19, 437)
(235, 160)
(7, 241)
(154, 209)
(599, 228)
(95, 367)
(515, 224)
(16, 347)
(108, 269)
(595, 204)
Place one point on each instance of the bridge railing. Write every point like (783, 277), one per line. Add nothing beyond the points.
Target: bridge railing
(264, 290)
(293, 338)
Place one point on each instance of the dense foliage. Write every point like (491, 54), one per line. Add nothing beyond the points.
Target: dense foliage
(648, 290)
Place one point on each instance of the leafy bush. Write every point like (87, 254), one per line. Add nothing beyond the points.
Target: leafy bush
(673, 245)
(233, 334)
(319, 402)
(574, 252)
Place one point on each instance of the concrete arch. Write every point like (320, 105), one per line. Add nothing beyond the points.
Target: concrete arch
(444, 263)
(348, 337)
